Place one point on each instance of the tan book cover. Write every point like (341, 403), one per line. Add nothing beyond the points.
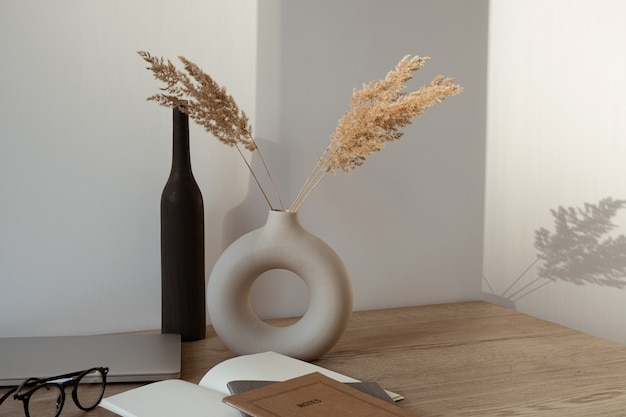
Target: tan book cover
(312, 395)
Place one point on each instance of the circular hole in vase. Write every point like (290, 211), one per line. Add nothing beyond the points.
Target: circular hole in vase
(279, 293)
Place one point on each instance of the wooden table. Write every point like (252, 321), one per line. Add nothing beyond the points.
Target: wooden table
(460, 359)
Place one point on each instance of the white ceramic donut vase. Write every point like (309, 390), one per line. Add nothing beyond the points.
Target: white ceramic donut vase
(281, 243)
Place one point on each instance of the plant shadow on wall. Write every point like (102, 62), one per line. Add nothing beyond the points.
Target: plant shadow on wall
(580, 251)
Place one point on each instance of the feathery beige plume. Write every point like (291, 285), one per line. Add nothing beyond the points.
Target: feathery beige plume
(377, 113)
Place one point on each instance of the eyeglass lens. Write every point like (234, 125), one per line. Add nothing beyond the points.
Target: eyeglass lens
(89, 389)
(46, 401)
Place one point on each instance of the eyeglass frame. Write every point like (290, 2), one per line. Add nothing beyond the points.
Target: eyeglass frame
(71, 378)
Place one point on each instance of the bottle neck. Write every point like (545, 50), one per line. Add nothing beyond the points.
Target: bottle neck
(181, 159)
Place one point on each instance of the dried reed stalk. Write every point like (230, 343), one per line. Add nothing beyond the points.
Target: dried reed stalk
(377, 113)
(208, 104)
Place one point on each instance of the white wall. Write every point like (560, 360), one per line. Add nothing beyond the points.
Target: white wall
(83, 158)
(408, 224)
(556, 130)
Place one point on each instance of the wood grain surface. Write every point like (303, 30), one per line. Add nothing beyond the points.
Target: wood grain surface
(459, 359)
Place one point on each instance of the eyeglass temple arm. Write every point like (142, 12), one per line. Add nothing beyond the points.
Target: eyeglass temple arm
(7, 394)
(71, 378)
(57, 377)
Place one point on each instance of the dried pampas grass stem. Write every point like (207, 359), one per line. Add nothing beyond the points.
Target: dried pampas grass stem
(208, 104)
(377, 113)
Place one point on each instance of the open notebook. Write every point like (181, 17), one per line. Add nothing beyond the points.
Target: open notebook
(176, 397)
(130, 357)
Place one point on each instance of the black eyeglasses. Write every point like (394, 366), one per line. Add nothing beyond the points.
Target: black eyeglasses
(44, 397)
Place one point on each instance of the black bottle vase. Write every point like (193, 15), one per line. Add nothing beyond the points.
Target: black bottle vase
(183, 305)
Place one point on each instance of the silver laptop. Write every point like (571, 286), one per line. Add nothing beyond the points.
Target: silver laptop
(130, 357)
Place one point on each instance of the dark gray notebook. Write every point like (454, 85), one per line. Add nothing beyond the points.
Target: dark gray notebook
(371, 388)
